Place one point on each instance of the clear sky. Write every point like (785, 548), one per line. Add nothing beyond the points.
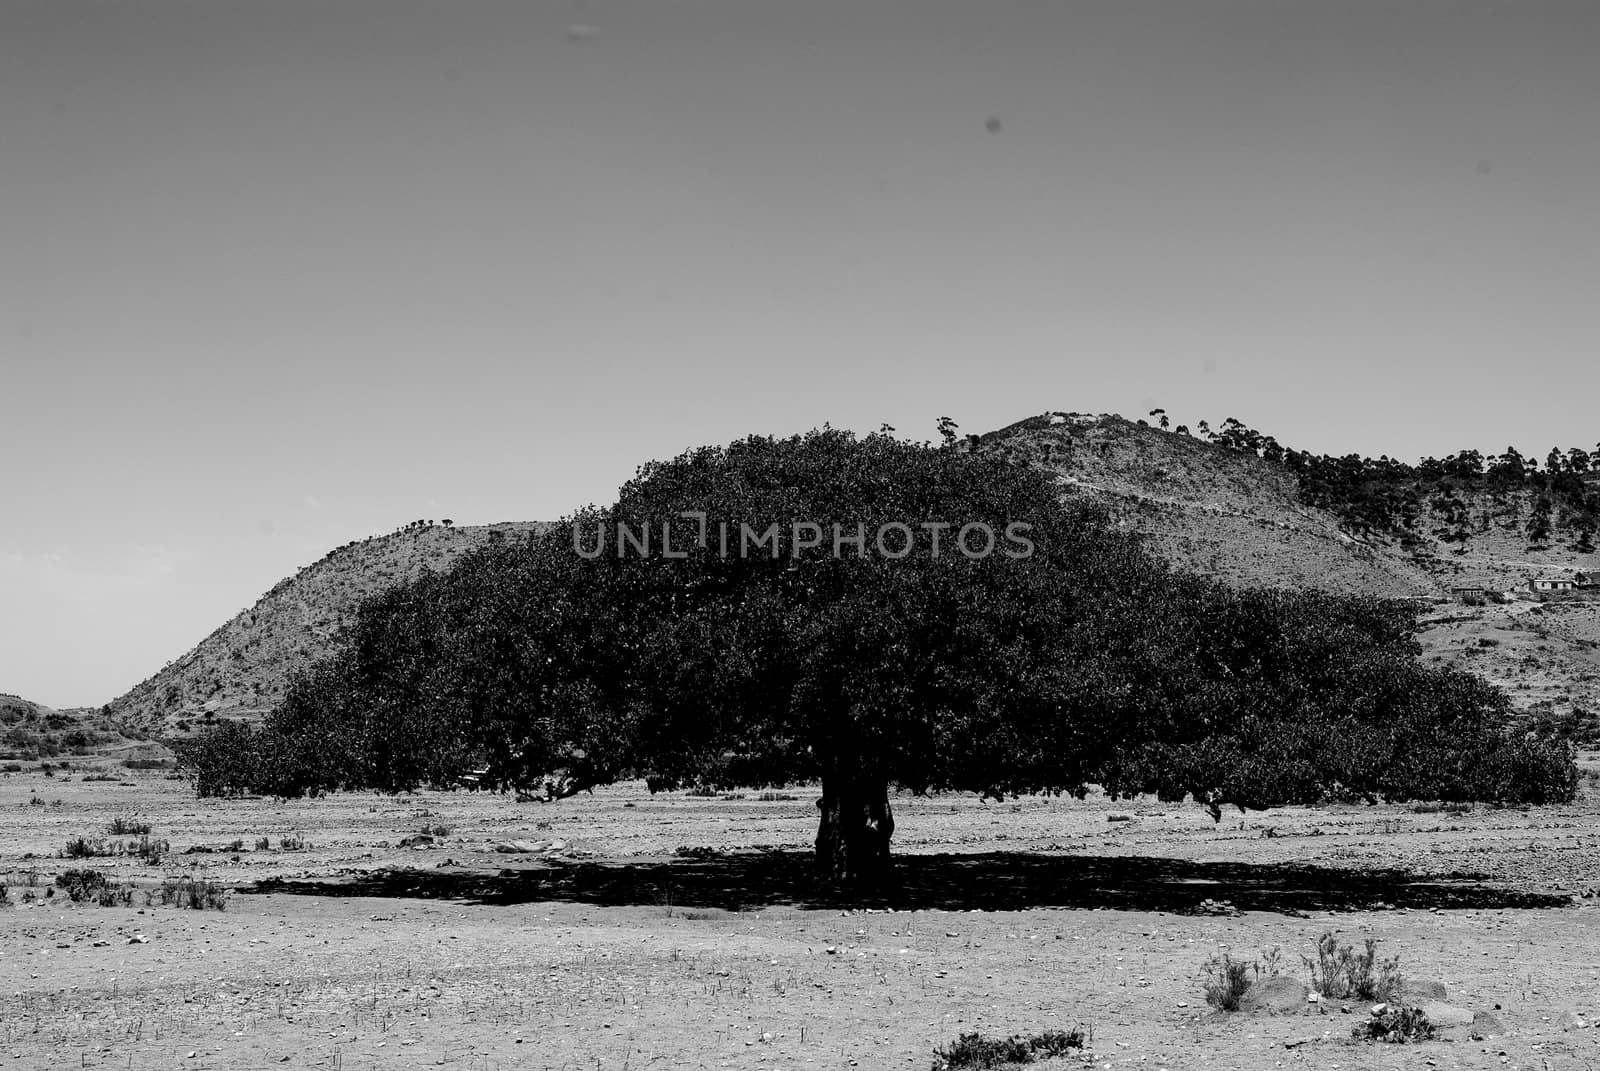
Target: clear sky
(277, 274)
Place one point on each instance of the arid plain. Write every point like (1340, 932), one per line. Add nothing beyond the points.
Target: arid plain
(630, 930)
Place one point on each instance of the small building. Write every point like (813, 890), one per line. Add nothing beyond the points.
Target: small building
(1550, 584)
(1464, 593)
(1586, 580)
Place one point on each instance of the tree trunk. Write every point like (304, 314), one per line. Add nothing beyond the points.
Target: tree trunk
(854, 831)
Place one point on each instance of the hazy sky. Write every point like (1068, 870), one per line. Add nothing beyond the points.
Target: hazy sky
(275, 275)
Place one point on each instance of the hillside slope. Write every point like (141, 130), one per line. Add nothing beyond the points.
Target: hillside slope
(1240, 518)
(242, 669)
(1207, 509)
(1204, 507)
(31, 731)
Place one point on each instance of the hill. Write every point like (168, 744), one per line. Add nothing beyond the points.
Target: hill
(242, 668)
(1253, 520)
(1206, 509)
(32, 732)
(1227, 506)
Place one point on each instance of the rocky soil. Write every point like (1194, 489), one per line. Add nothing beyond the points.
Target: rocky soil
(624, 930)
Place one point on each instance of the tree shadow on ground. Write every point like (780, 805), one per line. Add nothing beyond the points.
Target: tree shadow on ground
(998, 881)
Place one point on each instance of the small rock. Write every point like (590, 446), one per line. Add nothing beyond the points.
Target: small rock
(1485, 1024)
(1441, 1014)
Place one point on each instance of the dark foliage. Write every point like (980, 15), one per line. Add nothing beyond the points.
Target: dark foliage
(1387, 496)
(1083, 662)
(978, 1052)
(1396, 1024)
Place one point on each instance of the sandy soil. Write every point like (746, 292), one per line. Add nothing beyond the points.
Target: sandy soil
(674, 931)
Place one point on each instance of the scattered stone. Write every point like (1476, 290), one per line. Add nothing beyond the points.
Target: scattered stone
(1217, 907)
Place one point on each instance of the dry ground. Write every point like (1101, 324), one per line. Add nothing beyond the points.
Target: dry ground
(615, 948)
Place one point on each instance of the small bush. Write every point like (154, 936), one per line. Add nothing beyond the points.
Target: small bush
(775, 797)
(150, 851)
(263, 844)
(1341, 972)
(977, 1052)
(146, 764)
(91, 886)
(435, 831)
(1397, 1025)
(81, 884)
(84, 848)
(127, 827)
(292, 843)
(1227, 981)
(196, 893)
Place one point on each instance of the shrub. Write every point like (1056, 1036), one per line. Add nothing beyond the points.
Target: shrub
(1227, 981)
(978, 1052)
(292, 843)
(84, 848)
(1396, 1024)
(186, 891)
(150, 851)
(263, 844)
(1341, 972)
(81, 885)
(127, 827)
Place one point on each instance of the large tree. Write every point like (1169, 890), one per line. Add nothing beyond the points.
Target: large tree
(874, 613)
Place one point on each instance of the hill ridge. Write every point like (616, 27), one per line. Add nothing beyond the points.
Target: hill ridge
(1203, 506)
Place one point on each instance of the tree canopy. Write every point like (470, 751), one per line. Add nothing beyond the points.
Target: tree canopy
(870, 613)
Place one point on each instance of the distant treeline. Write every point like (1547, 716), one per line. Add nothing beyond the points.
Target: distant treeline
(1387, 496)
